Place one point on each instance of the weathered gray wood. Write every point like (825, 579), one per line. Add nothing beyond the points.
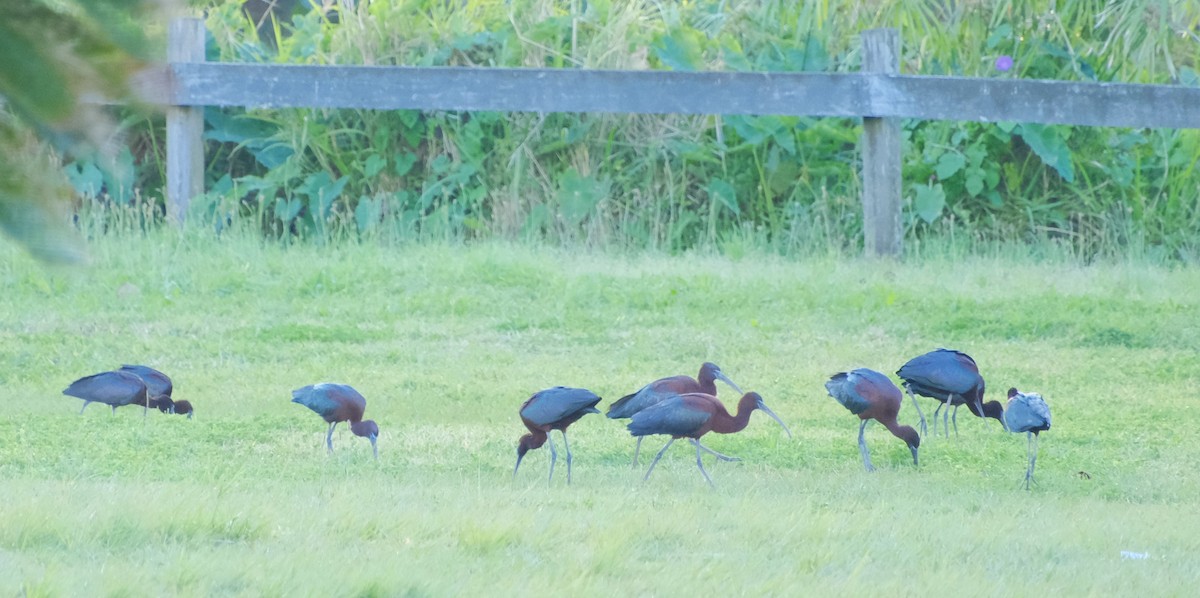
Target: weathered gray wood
(572, 90)
(518, 90)
(881, 153)
(185, 124)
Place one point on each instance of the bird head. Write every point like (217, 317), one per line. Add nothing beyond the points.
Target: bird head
(369, 430)
(912, 439)
(712, 372)
(995, 410)
(760, 405)
(182, 408)
(524, 445)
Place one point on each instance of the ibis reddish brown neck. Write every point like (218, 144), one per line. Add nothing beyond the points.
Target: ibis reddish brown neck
(723, 423)
(707, 380)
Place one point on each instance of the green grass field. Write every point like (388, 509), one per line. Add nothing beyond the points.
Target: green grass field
(446, 342)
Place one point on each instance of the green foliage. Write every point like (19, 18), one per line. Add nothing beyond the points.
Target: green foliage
(677, 182)
(447, 340)
(53, 53)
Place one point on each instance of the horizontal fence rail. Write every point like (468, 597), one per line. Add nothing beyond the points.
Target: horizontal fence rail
(878, 94)
(669, 92)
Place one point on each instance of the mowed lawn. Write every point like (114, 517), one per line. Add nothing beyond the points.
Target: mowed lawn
(446, 342)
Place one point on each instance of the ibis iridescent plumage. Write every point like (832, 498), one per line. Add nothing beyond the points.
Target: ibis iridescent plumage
(158, 390)
(553, 409)
(653, 393)
(693, 415)
(114, 389)
(336, 403)
(1029, 413)
(952, 378)
(872, 396)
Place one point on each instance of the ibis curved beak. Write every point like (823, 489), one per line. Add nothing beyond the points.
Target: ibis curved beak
(914, 452)
(719, 375)
(775, 417)
(373, 438)
(519, 457)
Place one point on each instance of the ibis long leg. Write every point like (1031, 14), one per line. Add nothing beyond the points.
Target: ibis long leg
(553, 454)
(114, 409)
(637, 450)
(714, 453)
(329, 437)
(935, 416)
(955, 420)
(862, 446)
(919, 414)
(1031, 446)
(656, 458)
(85, 404)
(568, 449)
(700, 463)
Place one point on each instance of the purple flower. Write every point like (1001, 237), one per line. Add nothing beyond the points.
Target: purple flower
(1004, 62)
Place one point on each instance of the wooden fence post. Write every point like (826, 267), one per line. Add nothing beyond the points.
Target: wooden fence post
(185, 124)
(881, 146)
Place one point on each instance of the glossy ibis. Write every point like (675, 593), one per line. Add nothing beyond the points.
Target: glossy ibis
(114, 389)
(1029, 413)
(693, 415)
(553, 409)
(653, 393)
(952, 378)
(158, 390)
(872, 396)
(336, 403)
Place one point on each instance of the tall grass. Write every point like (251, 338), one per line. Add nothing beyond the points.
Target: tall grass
(447, 339)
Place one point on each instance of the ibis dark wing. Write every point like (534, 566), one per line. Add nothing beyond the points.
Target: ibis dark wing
(158, 384)
(674, 416)
(855, 389)
(326, 398)
(112, 388)
(942, 370)
(650, 394)
(555, 404)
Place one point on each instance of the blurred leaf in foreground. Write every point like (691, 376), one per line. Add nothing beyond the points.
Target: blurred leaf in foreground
(58, 58)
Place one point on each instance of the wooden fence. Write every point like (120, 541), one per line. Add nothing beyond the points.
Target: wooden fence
(878, 94)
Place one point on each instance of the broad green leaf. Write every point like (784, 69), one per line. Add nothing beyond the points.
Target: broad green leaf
(287, 209)
(578, 195)
(1050, 147)
(724, 194)
(373, 165)
(974, 182)
(367, 213)
(949, 164)
(404, 163)
(1000, 34)
(85, 177)
(679, 50)
(930, 201)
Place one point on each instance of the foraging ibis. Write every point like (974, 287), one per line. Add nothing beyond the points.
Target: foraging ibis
(1029, 413)
(553, 409)
(336, 403)
(653, 393)
(952, 378)
(693, 415)
(114, 389)
(872, 396)
(158, 390)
